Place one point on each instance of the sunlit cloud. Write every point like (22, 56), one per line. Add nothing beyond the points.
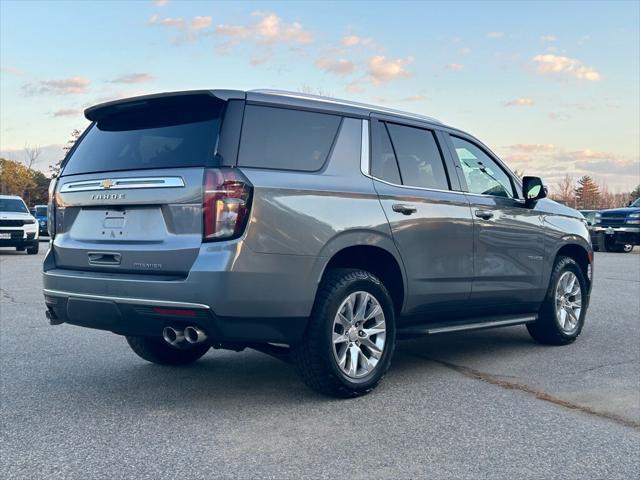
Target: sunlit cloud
(556, 64)
(177, 22)
(160, 3)
(65, 86)
(11, 71)
(133, 78)
(339, 67)
(353, 40)
(67, 112)
(520, 102)
(268, 29)
(198, 23)
(381, 69)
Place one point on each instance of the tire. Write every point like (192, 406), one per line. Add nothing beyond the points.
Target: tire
(158, 351)
(548, 328)
(316, 356)
(33, 249)
(627, 248)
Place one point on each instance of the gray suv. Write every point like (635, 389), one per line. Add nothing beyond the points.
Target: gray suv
(309, 228)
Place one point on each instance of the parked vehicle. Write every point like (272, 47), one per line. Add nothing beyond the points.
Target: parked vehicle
(303, 226)
(618, 229)
(18, 227)
(40, 212)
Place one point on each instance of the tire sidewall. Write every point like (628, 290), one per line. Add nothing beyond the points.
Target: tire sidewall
(373, 286)
(569, 266)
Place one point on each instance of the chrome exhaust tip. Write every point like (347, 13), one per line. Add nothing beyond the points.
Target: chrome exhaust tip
(194, 335)
(172, 336)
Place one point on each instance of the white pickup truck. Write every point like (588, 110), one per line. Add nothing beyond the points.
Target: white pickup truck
(18, 228)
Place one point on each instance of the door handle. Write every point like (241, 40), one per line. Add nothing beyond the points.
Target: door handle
(484, 214)
(404, 209)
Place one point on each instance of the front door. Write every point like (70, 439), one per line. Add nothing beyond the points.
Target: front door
(508, 238)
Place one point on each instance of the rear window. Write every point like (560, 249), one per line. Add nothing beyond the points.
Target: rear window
(285, 139)
(169, 134)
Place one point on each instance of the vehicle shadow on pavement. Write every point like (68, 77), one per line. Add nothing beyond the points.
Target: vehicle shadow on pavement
(222, 379)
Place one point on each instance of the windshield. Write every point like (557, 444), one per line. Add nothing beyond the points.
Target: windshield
(41, 211)
(636, 203)
(149, 136)
(14, 205)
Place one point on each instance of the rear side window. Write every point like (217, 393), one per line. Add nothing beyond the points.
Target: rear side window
(383, 160)
(149, 136)
(285, 139)
(419, 158)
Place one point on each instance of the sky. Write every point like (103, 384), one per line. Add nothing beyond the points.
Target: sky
(552, 87)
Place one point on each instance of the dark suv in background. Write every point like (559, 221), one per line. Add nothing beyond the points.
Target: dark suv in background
(617, 229)
(302, 226)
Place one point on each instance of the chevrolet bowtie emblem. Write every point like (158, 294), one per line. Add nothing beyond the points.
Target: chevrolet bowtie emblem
(106, 183)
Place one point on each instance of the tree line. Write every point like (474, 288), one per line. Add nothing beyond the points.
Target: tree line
(586, 194)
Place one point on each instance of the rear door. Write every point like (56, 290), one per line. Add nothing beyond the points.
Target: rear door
(431, 222)
(130, 195)
(508, 237)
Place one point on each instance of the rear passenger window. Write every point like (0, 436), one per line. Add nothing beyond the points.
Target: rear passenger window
(383, 160)
(419, 158)
(285, 139)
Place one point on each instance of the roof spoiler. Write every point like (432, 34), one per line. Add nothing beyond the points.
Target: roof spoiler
(102, 110)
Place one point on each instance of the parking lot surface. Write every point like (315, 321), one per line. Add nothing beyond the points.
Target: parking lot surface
(77, 403)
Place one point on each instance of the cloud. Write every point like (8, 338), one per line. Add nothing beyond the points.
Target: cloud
(548, 38)
(67, 112)
(132, 78)
(555, 64)
(160, 3)
(552, 162)
(177, 22)
(456, 67)
(495, 34)
(11, 71)
(198, 23)
(520, 102)
(381, 70)
(65, 86)
(269, 29)
(354, 40)
(339, 67)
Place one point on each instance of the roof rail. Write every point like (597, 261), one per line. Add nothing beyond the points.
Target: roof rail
(348, 103)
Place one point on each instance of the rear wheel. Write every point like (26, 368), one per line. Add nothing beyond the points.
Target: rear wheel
(561, 317)
(349, 342)
(158, 351)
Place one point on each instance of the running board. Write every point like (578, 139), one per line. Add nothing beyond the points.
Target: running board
(469, 324)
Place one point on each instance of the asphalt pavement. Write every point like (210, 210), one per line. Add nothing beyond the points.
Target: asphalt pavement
(77, 403)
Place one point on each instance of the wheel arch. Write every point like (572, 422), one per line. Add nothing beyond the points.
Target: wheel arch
(581, 253)
(371, 252)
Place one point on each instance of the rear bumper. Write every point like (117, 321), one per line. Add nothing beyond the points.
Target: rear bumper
(235, 296)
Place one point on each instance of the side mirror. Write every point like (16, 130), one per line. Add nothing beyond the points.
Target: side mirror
(533, 190)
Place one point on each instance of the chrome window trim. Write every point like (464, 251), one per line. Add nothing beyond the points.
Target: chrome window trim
(123, 183)
(132, 301)
(365, 163)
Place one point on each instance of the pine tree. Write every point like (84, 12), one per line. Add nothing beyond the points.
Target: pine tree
(587, 193)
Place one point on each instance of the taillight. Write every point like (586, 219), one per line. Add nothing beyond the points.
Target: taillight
(227, 198)
(51, 210)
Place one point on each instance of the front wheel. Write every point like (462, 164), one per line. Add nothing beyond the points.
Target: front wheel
(33, 249)
(563, 311)
(157, 351)
(349, 342)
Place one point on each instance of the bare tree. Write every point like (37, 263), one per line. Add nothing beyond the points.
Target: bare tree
(31, 154)
(565, 191)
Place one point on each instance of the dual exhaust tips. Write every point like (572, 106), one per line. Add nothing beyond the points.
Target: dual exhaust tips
(191, 334)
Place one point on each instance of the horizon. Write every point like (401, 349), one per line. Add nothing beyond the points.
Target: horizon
(553, 90)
